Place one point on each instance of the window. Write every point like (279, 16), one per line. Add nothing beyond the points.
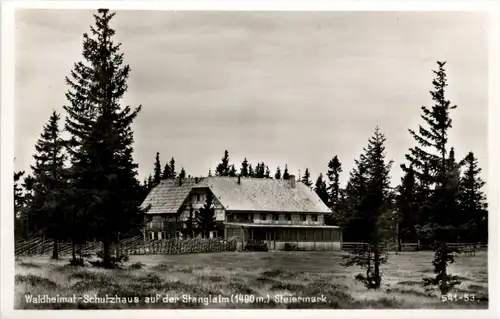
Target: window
(276, 216)
(314, 218)
(303, 218)
(152, 235)
(263, 216)
(288, 216)
(197, 197)
(249, 216)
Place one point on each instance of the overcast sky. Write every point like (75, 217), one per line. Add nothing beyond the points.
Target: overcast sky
(289, 87)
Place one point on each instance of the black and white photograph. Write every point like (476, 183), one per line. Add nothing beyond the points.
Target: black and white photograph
(250, 159)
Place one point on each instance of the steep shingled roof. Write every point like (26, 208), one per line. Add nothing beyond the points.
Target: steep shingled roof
(252, 194)
(167, 197)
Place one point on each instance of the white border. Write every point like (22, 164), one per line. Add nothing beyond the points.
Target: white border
(7, 149)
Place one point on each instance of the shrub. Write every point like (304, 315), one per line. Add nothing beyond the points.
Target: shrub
(136, 266)
(116, 262)
(35, 280)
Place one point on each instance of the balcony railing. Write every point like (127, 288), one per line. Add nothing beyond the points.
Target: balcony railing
(158, 226)
(274, 222)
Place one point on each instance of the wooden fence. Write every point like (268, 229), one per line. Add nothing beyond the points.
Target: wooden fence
(131, 246)
(351, 246)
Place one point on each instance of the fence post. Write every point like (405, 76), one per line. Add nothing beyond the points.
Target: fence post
(43, 244)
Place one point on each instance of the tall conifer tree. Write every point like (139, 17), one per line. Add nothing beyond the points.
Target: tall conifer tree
(18, 206)
(407, 207)
(157, 170)
(306, 179)
(285, 173)
(333, 174)
(106, 194)
(223, 167)
(320, 188)
(373, 210)
(438, 210)
(278, 173)
(473, 205)
(173, 173)
(51, 181)
(244, 168)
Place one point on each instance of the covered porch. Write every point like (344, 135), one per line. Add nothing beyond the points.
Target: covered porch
(306, 237)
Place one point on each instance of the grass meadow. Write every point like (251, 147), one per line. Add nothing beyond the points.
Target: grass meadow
(247, 280)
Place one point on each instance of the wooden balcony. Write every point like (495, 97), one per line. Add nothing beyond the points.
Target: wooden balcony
(162, 226)
(274, 222)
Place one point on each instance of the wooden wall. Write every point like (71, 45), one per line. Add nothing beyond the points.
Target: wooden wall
(291, 234)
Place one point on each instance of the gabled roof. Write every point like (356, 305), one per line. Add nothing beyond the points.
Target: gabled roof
(251, 194)
(265, 195)
(167, 197)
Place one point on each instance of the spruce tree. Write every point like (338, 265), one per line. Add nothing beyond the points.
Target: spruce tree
(267, 174)
(452, 192)
(333, 174)
(50, 176)
(173, 173)
(223, 167)
(205, 218)
(256, 172)
(157, 170)
(437, 212)
(27, 218)
(285, 173)
(355, 192)
(182, 174)
(244, 168)
(432, 150)
(167, 171)
(18, 206)
(306, 179)
(320, 188)
(105, 192)
(150, 182)
(251, 172)
(373, 210)
(407, 208)
(145, 188)
(18, 193)
(232, 171)
(473, 206)
(260, 170)
(278, 173)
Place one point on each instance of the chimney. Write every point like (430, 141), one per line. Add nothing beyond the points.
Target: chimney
(239, 179)
(180, 181)
(291, 180)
